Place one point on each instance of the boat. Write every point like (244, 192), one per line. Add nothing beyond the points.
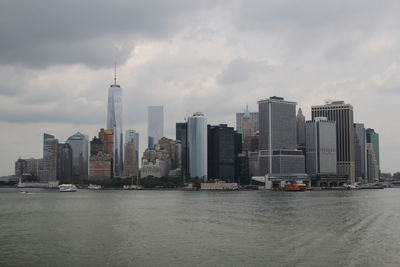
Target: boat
(132, 187)
(23, 192)
(294, 186)
(94, 187)
(67, 188)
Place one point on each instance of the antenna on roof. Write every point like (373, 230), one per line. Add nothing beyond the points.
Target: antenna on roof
(115, 73)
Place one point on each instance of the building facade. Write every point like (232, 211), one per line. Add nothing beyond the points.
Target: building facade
(342, 114)
(320, 146)
(247, 126)
(278, 138)
(114, 123)
(360, 151)
(64, 162)
(373, 138)
(181, 136)
(50, 148)
(80, 155)
(221, 152)
(197, 146)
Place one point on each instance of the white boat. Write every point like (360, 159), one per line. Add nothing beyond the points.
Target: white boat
(94, 187)
(132, 187)
(67, 188)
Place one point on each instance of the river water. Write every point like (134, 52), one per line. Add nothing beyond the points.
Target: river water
(170, 228)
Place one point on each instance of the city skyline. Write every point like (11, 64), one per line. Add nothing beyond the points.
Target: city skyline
(227, 57)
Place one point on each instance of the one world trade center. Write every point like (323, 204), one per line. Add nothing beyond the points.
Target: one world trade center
(114, 122)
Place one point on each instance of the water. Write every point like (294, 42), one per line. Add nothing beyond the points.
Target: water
(169, 228)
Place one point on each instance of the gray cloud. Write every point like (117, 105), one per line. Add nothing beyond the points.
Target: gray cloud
(95, 33)
(56, 63)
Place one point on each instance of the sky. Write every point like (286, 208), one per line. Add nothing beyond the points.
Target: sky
(57, 62)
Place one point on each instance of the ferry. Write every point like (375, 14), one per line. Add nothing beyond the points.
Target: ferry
(67, 188)
(132, 187)
(294, 186)
(94, 187)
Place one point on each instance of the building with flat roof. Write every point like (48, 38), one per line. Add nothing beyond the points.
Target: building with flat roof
(320, 146)
(342, 114)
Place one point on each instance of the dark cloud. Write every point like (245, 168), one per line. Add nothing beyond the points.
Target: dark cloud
(41, 33)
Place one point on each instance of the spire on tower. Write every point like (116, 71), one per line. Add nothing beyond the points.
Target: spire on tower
(115, 73)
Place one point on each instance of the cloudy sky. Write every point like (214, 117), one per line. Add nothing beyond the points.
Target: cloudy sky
(57, 62)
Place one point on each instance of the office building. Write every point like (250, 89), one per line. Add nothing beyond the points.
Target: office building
(181, 136)
(360, 150)
(320, 146)
(247, 126)
(64, 162)
(342, 114)
(372, 164)
(28, 166)
(114, 123)
(155, 124)
(100, 160)
(301, 130)
(221, 152)
(107, 138)
(278, 140)
(80, 155)
(373, 138)
(245, 118)
(197, 145)
(50, 147)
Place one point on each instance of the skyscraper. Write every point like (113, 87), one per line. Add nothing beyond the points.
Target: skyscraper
(320, 146)
(155, 125)
(64, 162)
(360, 151)
(342, 114)
(197, 145)
(80, 155)
(131, 153)
(221, 152)
(241, 117)
(131, 136)
(114, 122)
(301, 130)
(247, 126)
(278, 142)
(181, 136)
(372, 164)
(373, 138)
(50, 147)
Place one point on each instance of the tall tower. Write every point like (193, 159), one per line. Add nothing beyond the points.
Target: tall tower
(197, 145)
(301, 130)
(360, 151)
(278, 141)
(155, 125)
(321, 146)
(342, 114)
(114, 122)
(50, 148)
(80, 155)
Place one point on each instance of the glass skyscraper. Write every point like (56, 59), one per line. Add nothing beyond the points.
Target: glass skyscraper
(80, 155)
(197, 145)
(155, 125)
(114, 122)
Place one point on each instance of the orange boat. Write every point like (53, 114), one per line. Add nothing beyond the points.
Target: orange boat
(293, 186)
